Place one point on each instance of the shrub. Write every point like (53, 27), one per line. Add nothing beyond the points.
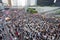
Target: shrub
(32, 10)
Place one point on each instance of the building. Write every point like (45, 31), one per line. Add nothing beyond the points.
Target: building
(19, 3)
(45, 2)
(23, 3)
(48, 2)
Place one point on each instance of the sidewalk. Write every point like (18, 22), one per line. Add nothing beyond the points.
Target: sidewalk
(45, 9)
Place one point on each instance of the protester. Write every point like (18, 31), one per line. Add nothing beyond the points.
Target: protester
(32, 27)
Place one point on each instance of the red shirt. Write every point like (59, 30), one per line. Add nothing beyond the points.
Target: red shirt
(16, 33)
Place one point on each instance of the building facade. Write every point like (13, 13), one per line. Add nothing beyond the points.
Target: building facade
(48, 2)
(19, 2)
(45, 2)
(24, 3)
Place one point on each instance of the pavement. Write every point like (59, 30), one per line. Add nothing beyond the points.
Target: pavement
(45, 9)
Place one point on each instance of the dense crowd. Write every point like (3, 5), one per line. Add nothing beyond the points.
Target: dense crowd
(25, 26)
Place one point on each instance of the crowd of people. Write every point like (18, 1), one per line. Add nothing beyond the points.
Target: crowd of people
(26, 26)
